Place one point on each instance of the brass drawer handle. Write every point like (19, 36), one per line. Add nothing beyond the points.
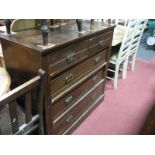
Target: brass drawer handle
(70, 119)
(102, 43)
(91, 39)
(97, 60)
(71, 57)
(95, 78)
(69, 78)
(94, 97)
(69, 100)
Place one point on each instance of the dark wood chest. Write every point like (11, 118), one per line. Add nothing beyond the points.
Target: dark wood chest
(75, 68)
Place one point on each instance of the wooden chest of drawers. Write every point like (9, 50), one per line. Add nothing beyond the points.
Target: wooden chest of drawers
(76, 69)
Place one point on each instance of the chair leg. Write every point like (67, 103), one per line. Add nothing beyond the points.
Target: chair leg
(116, 77)
(125, 65)
(2, 63)
(133, 62)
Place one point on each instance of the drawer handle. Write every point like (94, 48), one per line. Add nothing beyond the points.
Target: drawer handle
(95, 78)
(71, 57)
(97, 60)
(70, 119)
(69, 100)
(102, 43)
(91, 39)
(94, 97)
(69, 78)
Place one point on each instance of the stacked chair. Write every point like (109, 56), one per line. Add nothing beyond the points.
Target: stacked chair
(135, 42)
(128, 49)
(22, 24)
(2, 63)
(123, 22)
(119, 59)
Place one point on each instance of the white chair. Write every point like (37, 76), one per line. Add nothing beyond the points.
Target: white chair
(123, 22)
(120, 58)
(22, 24)
(2, 63)
(136, 41)
(5, 81)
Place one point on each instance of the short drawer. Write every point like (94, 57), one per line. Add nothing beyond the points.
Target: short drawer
(73, 113)
(61, 105)
(65, 57)
(100, 37)
(96, 47)
(99, 42)
(68, 78)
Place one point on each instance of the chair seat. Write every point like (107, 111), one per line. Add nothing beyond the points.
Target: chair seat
(114, 57)
(118, 35)
(114, 54)
(5, 123)
(2, 29)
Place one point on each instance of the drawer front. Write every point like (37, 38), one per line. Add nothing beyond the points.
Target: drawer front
(100, 38)
(67, 101)
(99, 42)
(96, 47)
(75, 53)
(72, 114)
(64, 58)
(65, 80)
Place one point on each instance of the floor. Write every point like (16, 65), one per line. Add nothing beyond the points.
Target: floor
(144, 52)
(123, 112)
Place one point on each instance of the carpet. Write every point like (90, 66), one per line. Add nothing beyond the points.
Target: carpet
(123, 112)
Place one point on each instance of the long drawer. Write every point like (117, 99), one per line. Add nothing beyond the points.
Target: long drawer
(65, 120)
(61, 105)
(68, 78)
(75, 53)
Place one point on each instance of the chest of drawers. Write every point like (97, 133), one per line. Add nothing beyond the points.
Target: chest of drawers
(75, 68)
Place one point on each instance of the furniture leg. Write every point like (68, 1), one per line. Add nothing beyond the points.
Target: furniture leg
(125, 64)
(116, 76)
(133, 62)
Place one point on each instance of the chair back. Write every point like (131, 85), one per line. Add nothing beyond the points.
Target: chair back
(125, 45)
(32, 120)
(22, 24)
(123, 22)
(141, 24)
(2, 63)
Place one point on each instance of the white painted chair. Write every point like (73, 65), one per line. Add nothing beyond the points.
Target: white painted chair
(2, 63)
(5, 81)
(22, 24)
(136, 41)
(123, 22)
(120, 58)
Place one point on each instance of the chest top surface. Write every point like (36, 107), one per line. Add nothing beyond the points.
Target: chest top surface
(57, 38)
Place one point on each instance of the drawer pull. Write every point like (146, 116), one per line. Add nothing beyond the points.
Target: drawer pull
(91, 39)
(69, 78)
(102, 43)
(70, 119)
(97, 60)
(71, 57)
(95, 78)
(94, 97)
(69, 100)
